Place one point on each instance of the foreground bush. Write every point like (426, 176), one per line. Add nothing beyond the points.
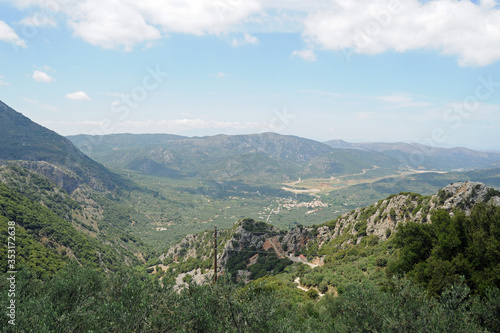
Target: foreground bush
(78, 299)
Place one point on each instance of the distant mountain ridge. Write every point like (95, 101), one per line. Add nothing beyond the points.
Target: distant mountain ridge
(43, 150)
(269, 144)
(284, 157)
(264, 157)
(417, 155)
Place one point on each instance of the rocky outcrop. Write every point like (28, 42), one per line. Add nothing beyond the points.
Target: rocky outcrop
(466, 195)
(61, 177)
(191, 246)
(381, 219)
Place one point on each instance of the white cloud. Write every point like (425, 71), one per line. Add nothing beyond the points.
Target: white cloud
(39, 20)
(75, 123)
(402, 100)
(9, 35)
(197, 17)
(307, 55)
(2, 82)
(219, 74)
(298, 5)
(114, 24)
(78, 96)
(173, 126)
(247, 39)
(42, 77)
(110, 24)
(463, 28)
(460, 28)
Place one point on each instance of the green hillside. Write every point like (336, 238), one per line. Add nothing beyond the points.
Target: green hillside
(437, 277)
(45, 241)
(84, 217)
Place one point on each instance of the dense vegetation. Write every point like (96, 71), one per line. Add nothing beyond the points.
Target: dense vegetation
(355, 264)
(37, 225)
(83, 300)
(446, 280)
(437, 255)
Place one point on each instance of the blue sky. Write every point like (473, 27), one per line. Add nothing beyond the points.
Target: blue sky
(380, 70)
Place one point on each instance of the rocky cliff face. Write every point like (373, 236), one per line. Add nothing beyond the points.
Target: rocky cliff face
(249, 239)
(61, 177)
(382, 218)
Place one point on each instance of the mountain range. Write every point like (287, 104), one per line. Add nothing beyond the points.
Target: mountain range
(98, 208)
(270, 156)
(416, 156)
(95, 249)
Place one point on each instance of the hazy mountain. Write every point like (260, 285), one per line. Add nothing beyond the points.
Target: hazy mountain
(347, 162)
(248, 157)
(273, 145)
(417, 156)
(46, 152)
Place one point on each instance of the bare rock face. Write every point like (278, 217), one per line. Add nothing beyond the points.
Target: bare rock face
(382, 218)
(191, 246)
(323, 235)
(296, 239)
(495, 201)
(61, 177)
(465, 196)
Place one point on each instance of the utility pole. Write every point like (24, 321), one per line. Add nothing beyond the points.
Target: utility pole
(215, 255)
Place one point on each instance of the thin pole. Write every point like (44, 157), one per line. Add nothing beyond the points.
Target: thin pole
(215, 254)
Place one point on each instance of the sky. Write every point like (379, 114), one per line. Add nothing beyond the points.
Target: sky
(356, 70)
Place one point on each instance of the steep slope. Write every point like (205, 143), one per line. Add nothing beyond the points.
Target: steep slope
(247, 251)
(46, 152)
(45, 241)
(52, 222)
